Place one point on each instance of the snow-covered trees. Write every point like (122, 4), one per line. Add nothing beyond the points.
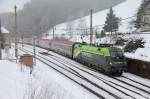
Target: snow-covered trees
(48, 13)
(138, 20)
(0, 42)
(1, 37)
(112, 22)
(142, 11)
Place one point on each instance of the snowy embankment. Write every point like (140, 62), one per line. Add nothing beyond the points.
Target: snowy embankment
(124, 10)
(141, 53)
(13, 84)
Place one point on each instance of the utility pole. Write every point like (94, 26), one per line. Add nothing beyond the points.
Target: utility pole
(91, 26)
(16, 40)
(53, 33)
(34, 49)
(22, 39)
(0, 41)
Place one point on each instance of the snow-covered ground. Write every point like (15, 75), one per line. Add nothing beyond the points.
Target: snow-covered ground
(43, 83)
(117, 86)
(13, 82)
(57, 86)
(47, 83)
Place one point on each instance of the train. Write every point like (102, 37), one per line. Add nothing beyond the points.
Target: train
(108, 60)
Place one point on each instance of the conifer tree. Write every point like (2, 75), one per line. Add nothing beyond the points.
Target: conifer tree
(1, 37)
(0, 42)
(112, 22)
(140, 13)
(103, 33)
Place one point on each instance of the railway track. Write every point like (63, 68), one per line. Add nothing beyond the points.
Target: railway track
(136, 81)
(84, 85)
(119, 87)
(133, 86)
(108, 82)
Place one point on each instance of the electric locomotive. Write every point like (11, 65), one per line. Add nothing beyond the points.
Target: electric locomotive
(109, 60)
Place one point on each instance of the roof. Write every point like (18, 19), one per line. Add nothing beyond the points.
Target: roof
(4, 30)
(66, 42)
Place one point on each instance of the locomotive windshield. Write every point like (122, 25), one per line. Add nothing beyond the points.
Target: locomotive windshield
(116, 54)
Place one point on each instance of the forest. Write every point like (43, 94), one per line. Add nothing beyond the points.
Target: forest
(38, 16)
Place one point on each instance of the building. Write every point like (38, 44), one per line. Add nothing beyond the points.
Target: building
(7, 37)
(145, 16)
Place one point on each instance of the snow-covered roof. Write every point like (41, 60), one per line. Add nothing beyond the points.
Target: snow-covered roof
(4, 30)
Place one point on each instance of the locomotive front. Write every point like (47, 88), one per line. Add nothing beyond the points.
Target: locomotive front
(116, 61)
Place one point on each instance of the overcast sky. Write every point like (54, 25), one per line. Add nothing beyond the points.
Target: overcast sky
(8, 5)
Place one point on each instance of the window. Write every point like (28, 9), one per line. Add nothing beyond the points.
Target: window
(146, 19)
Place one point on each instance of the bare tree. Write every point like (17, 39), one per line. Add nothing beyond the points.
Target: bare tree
(82, 28)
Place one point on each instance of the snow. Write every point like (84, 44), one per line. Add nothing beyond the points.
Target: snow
(8, 54)
(124, 10)
(60, 86)
(13, 82)
(99, 80)
(141, 53)
(46, 83)
(4, 30)
(43, 83)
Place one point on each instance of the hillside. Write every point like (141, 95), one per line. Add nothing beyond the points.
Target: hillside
(121, 10)
(40, 15)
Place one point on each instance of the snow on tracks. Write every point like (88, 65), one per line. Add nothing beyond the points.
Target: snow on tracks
(112, 86)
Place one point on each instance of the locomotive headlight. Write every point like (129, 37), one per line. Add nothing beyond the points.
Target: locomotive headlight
(110, 63)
